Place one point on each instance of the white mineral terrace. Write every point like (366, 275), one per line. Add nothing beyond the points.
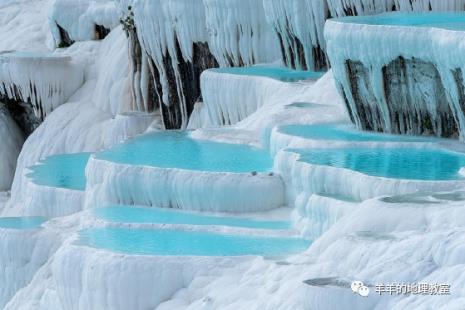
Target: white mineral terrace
(43, 80)
(273, 199)
(378, 41)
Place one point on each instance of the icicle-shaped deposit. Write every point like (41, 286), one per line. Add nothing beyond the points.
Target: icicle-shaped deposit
(41, 80)
(300, 23)
(238, 32)
(299, 26)
(401, 73)
(174, 36)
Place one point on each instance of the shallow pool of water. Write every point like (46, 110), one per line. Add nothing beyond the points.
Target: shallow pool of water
(21, 222)
(277, 73)
(399, 163)
(446, 20)
(337, 132)
(127, 214)
(175, 149)
(188, 243)
(62, 171)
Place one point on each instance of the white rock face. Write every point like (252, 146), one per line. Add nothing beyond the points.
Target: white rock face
(89, 121)
(12, 141)
(49, 202)
(42, 80)
(159, 23)
(300, 27)
(414, 238)
(386, 50)
(174, 38)
(108, 183)
(239, 97)
(23, 253)
(80, 18)
(254, 103)
(316, 214)
(24, 25)
(83, 276)
(300, 23)
(238, 32)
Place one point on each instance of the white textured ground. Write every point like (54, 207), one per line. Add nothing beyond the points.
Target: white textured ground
(415, 238)
(24, 25)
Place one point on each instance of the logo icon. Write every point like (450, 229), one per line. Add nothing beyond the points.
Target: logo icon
(359, 288)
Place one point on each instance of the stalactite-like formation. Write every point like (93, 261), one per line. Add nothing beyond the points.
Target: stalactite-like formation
(300, 23)
(172, 42)
(177, 40)
(174, 46)
(406, 84)
(415, 101)
(37, 83)
(238, 32)
(299, 26)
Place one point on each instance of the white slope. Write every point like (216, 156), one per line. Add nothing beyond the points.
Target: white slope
(400, 239)
(23, 253)
(95, 117)
(404, 239)
(80, 18)
(24, 26)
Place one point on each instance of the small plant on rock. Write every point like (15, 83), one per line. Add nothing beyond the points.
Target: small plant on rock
(128, 21)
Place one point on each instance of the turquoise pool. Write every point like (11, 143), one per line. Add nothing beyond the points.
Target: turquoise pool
(398, 163)
(188, 243)
(445, 20)
(278, 73)
(62, 171)
(21, 222)
(127, 214)
(175, 149)
(337, 132)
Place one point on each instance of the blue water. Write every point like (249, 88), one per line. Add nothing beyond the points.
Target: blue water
(175, 149)
(188, 243)
(123, 214)
(344, 133)
(398, 163)
(21, 222)
(277, 73)
(446, 20)
(62, 171)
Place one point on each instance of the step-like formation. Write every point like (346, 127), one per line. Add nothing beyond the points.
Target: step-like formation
(407, 78)
(40, 80)
(25, 248)
(172, 170)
